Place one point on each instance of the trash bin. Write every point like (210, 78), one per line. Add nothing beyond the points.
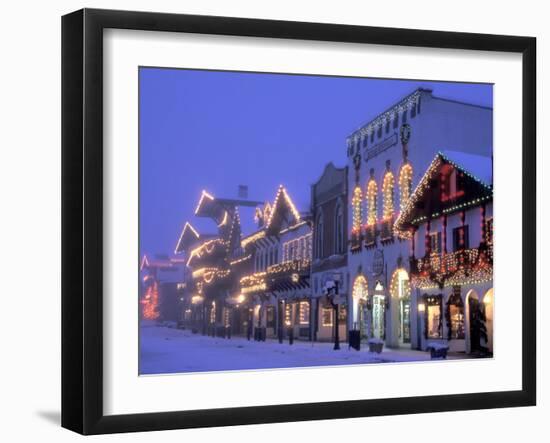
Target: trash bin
(355, 339)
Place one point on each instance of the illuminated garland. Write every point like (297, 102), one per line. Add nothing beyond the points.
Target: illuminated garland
(252, 238)
(282, 191)
(357, 207)
(407, 103)
(252, 279)
(454, 208)
(224, 219)
(185, 228)
(405, 184)
(293, 227)
(302, 247)
(372, 210)
(460, 168)
(466, 267)
(207, 247)
(289, 266)
(204, 195)
(254, 288)
(424, 184)
(144, 263)
(399, 272)
(360, 288)
(236, 221)
(200, 272)
(239, 260)
(387, 194)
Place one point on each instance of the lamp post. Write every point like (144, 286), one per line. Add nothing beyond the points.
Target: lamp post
(331, 290)
(290, 332)
(280, 321)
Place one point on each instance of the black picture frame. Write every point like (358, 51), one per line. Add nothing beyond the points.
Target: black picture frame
(82, 215)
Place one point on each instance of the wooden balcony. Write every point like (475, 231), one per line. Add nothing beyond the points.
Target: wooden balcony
(370, 236)
(356, 242)
(386, 230)
(453, 267)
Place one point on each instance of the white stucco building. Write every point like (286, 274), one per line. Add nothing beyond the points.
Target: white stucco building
(387, 157)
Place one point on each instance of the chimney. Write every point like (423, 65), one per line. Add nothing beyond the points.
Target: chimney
(243, 191)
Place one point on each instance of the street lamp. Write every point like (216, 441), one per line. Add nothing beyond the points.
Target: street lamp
(331, 291)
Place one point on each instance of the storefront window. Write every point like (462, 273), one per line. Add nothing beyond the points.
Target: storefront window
(270, 317)
(226, 317)
(405, 320)
(288, 314)
(304, 313)
(213, 313)
(327, 316)
(378, 309)
(456, 317)
(342, 313)
(433, 318)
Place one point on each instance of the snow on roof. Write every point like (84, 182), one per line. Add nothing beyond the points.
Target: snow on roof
(481, 167)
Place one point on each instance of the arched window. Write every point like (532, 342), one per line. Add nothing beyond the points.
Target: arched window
(387, 195)
(372, 197)
(400, 286)
(319, 232)
(360, 294)
(357, 210)
(405, 184)
(339, 229)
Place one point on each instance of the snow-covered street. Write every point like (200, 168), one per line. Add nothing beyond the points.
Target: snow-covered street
(169, 350)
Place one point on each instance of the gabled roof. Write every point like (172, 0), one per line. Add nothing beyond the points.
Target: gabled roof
(478, 166)
(210, 207)
(188, 237)
(158, 263)
(332, 182)
(234, 234)
(482, 179)
(282, 206)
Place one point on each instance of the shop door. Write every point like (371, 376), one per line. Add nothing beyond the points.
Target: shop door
(475, 319)
(405, 320)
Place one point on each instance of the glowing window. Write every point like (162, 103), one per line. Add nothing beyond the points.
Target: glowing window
(456, 316)
(433, 317)
(327, 316)
(304, 312)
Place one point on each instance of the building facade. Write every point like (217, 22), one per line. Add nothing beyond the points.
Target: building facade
(366, 254)
(329, 214)
(449, 223)
(387, 158)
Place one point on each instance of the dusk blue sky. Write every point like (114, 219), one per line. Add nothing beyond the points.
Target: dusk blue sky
(216, 130)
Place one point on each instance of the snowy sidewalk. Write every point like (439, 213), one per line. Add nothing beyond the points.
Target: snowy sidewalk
(168, 350)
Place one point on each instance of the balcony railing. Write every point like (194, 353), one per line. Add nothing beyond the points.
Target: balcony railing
(355, 241)
(386, 229)
(289, 267)
(370, 235)
(442, 267)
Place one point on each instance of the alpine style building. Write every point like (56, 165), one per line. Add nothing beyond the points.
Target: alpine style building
(395, 248)
(387, 159)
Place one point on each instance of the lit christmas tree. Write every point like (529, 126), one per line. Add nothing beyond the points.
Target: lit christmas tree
(150, 301)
